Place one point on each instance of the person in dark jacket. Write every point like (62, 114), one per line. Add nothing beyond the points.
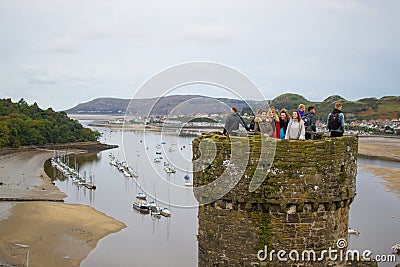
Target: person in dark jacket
(284, 119)
(253, 121)
(335, 121)
(311, 128)
(232, 122)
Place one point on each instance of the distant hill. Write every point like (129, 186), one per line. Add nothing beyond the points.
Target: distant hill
(387, 107)
(105, 105)
(289, 101)
(176, 104)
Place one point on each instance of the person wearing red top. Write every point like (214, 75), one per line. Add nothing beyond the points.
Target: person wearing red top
(275, 118)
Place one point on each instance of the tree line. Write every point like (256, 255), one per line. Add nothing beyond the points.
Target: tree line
(22, 124)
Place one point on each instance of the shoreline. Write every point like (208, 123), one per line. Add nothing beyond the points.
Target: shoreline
(59, 234)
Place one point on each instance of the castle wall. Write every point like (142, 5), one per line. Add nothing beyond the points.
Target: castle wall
(302, 204)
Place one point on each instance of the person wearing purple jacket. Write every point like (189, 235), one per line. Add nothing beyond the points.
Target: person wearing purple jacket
(301, 110)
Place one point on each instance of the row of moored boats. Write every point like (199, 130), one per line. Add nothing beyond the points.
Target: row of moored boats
(140, 204)
(72, 173)
(123, 167)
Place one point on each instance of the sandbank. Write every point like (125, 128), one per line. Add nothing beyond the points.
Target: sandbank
(32, 216)
(379, 148)
(56, 234)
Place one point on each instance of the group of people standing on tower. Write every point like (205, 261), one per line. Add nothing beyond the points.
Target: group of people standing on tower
(280, 124)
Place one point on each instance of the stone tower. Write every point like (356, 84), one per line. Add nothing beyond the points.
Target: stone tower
(303, 204)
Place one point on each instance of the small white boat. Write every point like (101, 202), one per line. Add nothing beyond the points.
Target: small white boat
(157, 160)
(156, 212)
(188, 183)
(141, 206)
(165, 212)
(126, 173)
(141, 195)
(152, 205)
(352, 231)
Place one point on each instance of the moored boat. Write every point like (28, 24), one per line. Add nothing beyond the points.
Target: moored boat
(141, 205)
(352, 231)
(90, 185)
(165, 212)
(141, 195)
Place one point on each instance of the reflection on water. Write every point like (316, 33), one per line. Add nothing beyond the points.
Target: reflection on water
(147, 240)
(375, 212)
(80, 161)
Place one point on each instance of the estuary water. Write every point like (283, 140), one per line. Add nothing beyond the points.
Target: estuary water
(150, 241)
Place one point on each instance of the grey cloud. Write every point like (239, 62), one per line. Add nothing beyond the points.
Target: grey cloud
(64, 44)
(208, 34)
(89, 49)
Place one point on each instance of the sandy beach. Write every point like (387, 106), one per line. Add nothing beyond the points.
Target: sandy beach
(56, 234)
(33, 217)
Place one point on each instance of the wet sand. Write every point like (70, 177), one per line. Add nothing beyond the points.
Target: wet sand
(22, 177)
(56, 234)
(383, 148)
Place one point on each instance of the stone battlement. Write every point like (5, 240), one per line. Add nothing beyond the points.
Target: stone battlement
(302, 199)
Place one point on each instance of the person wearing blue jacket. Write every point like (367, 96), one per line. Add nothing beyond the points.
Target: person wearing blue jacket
(335, 121)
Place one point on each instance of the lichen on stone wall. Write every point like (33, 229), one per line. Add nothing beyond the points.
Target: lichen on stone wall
(301, 200)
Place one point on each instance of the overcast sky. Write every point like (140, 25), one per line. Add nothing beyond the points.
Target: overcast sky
(60, 53)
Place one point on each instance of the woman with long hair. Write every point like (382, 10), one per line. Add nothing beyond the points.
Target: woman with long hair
(284, 119)
(296, 129)
(264, 124)
(276, 123)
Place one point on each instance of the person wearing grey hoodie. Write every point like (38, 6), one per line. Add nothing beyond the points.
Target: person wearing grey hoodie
(232, 123)
(295, 129)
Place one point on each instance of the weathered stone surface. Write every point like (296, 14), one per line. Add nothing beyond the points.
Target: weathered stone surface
(302, 204)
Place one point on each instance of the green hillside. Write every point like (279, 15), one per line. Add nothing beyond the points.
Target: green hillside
(289, 101)
(23, 124)
(387, 107)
